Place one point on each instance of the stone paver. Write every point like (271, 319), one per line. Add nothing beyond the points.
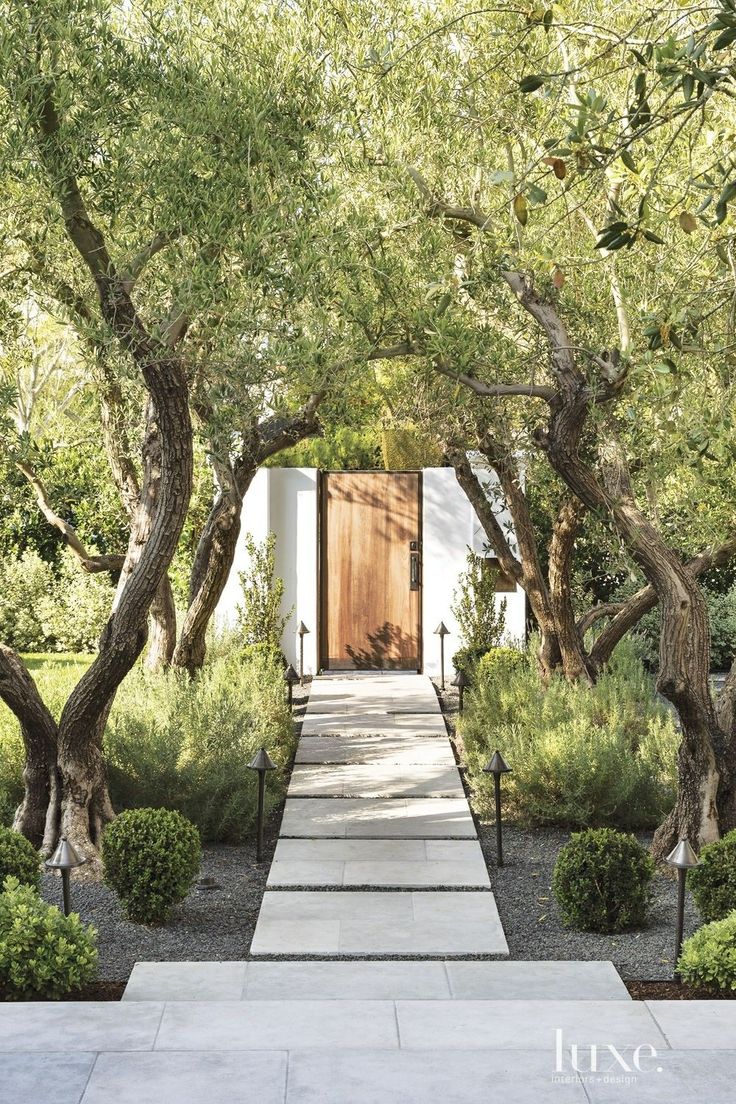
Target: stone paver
(78, 1026)
(27, 1078)
(186, 981)
(511, 980)
(390, 863)
(359, 923)
(277, 1025)
(406, 751)
(374, 780)
(390, 724)
(388, 980)
(377, 818)
(697, 1025)
(696, 1076)
(188, 1078)
(446, 1077)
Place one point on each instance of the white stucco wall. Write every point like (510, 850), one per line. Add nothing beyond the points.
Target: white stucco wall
(285, 501)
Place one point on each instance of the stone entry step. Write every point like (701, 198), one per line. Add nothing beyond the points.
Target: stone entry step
(389, 863)
(437, 924)
(387, 980)
(377, 818)
(374, 780)
(389, 724)
(377, 694)
(401, 751)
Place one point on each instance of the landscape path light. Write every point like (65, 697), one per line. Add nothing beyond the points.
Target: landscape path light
(462, 682)
(262, 763)
(65, 859)
(497, 767)
(290, 678)
(442, 631)
(683, 858)
(301, 631)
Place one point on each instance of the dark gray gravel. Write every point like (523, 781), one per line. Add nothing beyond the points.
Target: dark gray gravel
(529, 913)
(216, 924)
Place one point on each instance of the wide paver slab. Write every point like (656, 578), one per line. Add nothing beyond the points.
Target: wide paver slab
(400, 750)
(78, 1026)
(465, 1077)
(536, 981)
(401, 818)
(385, 980)
(357, 723)
(526, 1025)
(367, 862)
(188, 1078)
(697, 1025)
(374, 780)
(684, 1077)
(277, 1025)
(379, 694)
(28, 1078)
(185, 981)
(360, 923)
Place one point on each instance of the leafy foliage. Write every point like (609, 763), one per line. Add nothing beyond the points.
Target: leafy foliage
(480, 617)
(713, 882)
(19, 859)
(709, 956)
(150, 858)
(601, 881)
(260, 617)
(185, 744)
(581, 756)
(43, 954)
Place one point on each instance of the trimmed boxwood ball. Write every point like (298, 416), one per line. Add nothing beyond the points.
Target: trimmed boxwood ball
(709, 957)
(601, 881)
(150, 858)
(42, 952)
(713, 882)
(19, 859)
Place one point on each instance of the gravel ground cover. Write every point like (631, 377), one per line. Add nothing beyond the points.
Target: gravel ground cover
(531, 919)
(210, 924)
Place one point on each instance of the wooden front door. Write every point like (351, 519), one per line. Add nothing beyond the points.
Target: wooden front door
(371, 570)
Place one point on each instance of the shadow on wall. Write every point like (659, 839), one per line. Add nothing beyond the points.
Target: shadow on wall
(387, 648)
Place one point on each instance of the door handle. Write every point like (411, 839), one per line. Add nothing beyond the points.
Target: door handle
(413, 571)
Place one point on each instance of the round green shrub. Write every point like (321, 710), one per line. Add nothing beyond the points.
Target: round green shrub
(19, 859)
(501, 662)
(601, 881)
(42, 952)
(466, 659)
(713, 882)
(150, 858)
(709, 957)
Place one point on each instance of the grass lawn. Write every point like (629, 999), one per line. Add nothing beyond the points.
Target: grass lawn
(68, 662)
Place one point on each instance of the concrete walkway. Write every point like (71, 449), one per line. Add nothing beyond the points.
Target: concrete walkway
(313, 1017)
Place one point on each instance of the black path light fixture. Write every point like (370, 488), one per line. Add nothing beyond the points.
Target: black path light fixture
(291, 678)
(442, 631)
(462, 682)
(497, 767)
(262, 763)
(65, 859)
(682, 858)
(301, 631)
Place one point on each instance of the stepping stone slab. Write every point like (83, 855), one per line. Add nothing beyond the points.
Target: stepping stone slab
(349, 724)
(373, 780)
(697, 1025)
(346, 981)
(277, 1025)
(535, 981)
(188, 1078)
(359, 923)
(402, 818)
(78, 1026)
(399, 750)
(526, 1025)
(186, 981)
(684, 1077)
(328, 862)
(28, 1078)
(465, 1077)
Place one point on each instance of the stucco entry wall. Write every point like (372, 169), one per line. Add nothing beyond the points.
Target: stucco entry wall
(285, 501)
